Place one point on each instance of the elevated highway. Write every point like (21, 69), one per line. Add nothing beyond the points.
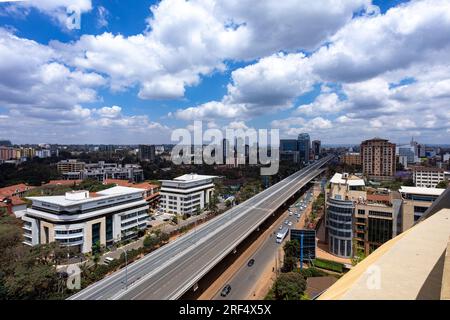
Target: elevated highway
(172, 270)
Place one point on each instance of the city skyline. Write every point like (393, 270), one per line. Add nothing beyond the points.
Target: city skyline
(133, 74)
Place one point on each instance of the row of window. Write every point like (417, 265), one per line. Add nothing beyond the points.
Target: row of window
(68, 231)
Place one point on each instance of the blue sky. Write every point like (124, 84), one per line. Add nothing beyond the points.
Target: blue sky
(136, 70)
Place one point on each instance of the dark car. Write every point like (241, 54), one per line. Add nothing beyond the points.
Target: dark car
(251, 262)
(226, 290)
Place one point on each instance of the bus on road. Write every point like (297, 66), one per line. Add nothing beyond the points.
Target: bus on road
(282, 234)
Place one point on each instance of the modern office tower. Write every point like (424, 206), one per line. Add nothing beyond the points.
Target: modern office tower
(101, 171)
(78, 219)
(316, 149)
(351, 159)
(429, 177)
(408, 152)
(304, 147)
(416, 200)
(186, 194)
(289, 150)
(147, 152)
(378, 159)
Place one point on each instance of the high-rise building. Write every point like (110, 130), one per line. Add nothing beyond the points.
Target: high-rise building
(304, 147)
(147, 152)
(289, 150)
(316, 149)
(378, 159)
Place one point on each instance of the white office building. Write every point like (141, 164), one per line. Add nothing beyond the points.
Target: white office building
(80, 219)
(186, 194)
(429, 177)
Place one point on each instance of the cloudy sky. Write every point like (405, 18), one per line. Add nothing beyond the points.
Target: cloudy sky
(136, 70)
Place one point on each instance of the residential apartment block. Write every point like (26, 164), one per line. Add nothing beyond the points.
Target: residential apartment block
(351, 159)
(378, 159)
(101, 171)
(71, 165)
(186, 194)
(80, 219)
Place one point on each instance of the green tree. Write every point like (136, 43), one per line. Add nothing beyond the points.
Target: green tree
(151, 241)
(443, 184)
(292, 249)
(289, 286)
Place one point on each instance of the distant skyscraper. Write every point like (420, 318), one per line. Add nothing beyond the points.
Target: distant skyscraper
(316, 148)
(146, 152)
(378, 159)
(304, 146)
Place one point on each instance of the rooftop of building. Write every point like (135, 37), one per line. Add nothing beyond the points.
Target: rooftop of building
(350, 180)
(71, 198)
(193, 177)
(421, 191)
(409, 266)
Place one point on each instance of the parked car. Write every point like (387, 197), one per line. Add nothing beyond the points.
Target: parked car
(251, 262)
(290, 223)
(108, 260)
(286, 221)
(226, 290)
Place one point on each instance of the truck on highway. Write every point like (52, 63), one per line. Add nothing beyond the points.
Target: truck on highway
(282, 234)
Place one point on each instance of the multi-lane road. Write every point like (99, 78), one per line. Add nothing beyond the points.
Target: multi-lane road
(170, 271)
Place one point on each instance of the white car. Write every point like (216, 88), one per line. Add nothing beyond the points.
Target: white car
(290, 223)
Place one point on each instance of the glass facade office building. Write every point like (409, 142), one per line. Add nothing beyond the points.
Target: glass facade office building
(339, 216)
(304, 146)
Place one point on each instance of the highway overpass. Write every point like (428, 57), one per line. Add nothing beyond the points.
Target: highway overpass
(170, 271)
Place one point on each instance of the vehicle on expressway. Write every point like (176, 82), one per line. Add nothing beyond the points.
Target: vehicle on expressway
(286, 221)
(282, 234)
(290, 223)
(226, 290)
(281, 227)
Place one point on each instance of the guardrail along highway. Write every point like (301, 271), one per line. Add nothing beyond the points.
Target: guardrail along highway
(173, 269)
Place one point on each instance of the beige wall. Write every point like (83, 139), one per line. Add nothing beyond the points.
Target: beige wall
(408, 212)
(51, 232)
(87, 241)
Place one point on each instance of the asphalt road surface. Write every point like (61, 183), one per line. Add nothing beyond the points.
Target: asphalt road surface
(170, 271)
(243, 281)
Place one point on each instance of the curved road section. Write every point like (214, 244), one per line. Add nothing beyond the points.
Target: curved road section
(173, 269)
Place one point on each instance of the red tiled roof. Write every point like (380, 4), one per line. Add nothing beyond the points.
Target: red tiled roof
(126, 183)
(155, 195)
(9, 191)
(145, 185)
